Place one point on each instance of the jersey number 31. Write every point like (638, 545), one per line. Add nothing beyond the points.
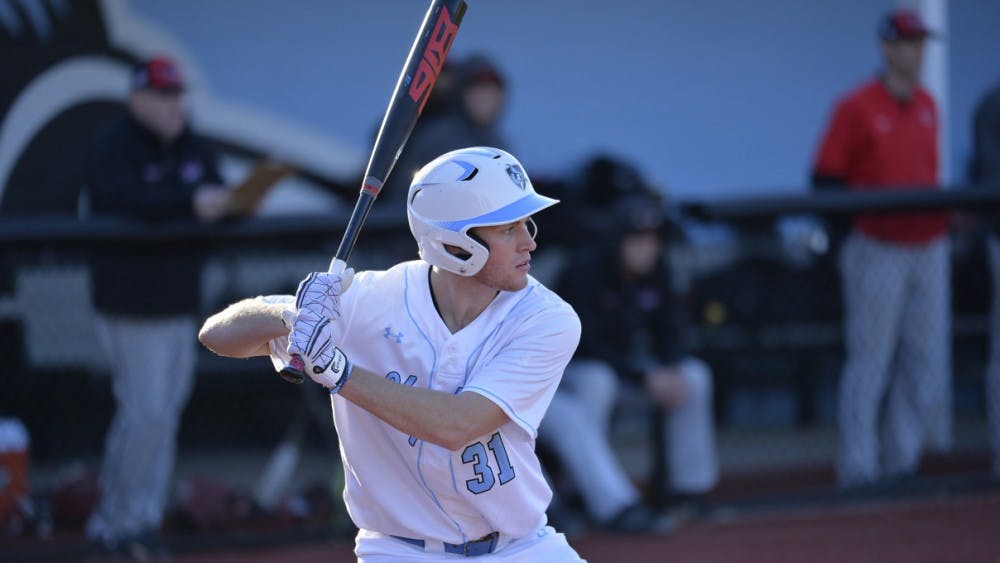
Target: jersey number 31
(477, 456)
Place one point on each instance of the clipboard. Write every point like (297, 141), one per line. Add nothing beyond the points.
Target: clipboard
(247, 195)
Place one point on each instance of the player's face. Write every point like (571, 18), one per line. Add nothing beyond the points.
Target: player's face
(905, 56)
(161, 112)
(484, 103)
(640, 253)
(510, 247)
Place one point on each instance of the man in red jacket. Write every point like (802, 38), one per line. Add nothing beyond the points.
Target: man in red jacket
(896, 288)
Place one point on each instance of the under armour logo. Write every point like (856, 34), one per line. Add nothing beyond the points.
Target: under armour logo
(389, 334)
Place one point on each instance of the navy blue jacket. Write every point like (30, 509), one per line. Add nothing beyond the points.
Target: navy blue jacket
(134, 175)
(632, 324)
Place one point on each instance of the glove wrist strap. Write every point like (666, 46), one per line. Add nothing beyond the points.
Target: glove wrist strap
(345, 373)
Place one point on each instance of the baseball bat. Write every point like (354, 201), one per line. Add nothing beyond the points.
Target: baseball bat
(420, 72)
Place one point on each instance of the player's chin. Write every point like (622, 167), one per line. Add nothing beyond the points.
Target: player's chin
(518, 284)
(518, 280)
(515, 278)
(512, 282)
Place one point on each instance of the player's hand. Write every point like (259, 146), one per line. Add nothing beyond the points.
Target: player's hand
(211, 202)
(313, 340)
(666, 386)
(320, 292)
(313, 329)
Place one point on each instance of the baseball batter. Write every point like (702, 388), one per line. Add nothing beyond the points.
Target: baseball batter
(440, 369)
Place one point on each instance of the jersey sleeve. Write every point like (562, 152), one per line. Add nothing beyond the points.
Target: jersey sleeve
(278, 347)
(833, 158)
(522, 377)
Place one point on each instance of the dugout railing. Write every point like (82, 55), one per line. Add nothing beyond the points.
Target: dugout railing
(763, 304)
(769, 320)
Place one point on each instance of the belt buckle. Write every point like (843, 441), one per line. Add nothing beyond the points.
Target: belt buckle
(489, 542)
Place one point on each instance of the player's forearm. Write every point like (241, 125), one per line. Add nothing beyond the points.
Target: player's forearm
(449, 421)
(243, 329)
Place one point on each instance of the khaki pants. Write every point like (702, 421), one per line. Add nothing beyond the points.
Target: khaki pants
(152, 371)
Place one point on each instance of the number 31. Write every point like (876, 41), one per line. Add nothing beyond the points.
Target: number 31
(476, 455)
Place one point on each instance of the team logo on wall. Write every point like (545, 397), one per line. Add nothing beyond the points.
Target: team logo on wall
(517, 176)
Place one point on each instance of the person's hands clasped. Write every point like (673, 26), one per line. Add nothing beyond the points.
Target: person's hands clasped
(211, 202)
(666, 386)
(314, 332)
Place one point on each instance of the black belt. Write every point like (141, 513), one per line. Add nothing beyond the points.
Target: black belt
(474, 548)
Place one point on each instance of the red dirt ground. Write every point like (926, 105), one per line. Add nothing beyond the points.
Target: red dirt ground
(953, 529)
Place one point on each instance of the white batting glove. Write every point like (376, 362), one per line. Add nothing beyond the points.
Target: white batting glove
(320, 292)
(312, 339)
(313, 329)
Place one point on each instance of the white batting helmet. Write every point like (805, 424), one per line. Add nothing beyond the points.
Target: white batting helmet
(462, 189)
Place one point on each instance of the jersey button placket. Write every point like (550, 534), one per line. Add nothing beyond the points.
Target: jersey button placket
(451, 353)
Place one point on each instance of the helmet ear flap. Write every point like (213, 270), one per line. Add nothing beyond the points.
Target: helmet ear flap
(475, 237)
(469, 259)
(465, 254)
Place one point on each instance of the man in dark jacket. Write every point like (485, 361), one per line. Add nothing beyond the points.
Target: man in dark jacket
(986, 174)
(470, 118)
(631, 341)
(147, 166)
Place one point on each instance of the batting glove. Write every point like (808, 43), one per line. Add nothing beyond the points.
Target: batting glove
(312, 339)
(320, 292)
(317, 303)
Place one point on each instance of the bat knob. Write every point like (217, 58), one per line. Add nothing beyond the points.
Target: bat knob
(295, 371)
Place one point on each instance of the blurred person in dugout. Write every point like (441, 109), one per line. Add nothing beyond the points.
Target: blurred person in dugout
(986, 174)
(895, 388)
(469, 99)
(630, 348)
(149, 166)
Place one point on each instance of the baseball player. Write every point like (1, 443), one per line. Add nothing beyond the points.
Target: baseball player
(439, 369)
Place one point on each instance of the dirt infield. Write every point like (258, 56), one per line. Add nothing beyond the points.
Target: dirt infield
(954, 529)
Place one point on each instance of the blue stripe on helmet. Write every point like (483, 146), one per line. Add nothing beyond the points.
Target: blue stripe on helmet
(527, 205)
(467, 169)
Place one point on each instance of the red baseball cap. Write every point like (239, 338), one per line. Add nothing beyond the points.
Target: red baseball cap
(158, 73)
(902, 24)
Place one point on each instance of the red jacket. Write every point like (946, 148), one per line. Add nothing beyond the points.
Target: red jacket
(876, 142)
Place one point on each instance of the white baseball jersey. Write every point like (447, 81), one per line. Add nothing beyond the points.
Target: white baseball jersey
(513, 354)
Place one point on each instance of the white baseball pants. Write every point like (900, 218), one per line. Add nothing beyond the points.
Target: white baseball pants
(544, 545)
(897, 322)
(152, 371)
(577, 424)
